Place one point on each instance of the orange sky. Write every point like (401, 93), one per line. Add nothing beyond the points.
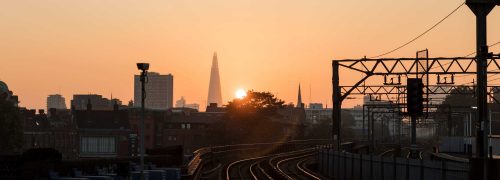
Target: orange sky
(70, 47)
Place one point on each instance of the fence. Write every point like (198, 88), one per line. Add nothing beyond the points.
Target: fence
(344, 165)
(457, 144)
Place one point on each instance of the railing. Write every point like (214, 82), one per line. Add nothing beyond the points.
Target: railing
(344, 165)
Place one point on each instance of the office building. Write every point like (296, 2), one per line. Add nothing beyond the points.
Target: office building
(159, 91)
(181, 103)
(56, 101)
(315, 113)
(80, 102)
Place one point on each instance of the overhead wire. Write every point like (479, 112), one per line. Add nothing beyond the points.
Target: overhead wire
(420, 35)
(494, 44)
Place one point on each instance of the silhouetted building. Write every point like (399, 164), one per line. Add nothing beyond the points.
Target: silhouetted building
(383, 111)
(188, 128)
(212, 107)
(181, 103)
(193, 106)
(5, 93)
(104, 133)
(159, 91)
(56, 131)
(56, 101)
(315, 112)
(214, 89)
(293, 122)
(80, 101)
(150, 124)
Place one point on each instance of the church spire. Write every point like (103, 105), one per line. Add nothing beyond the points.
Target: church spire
(299, 99)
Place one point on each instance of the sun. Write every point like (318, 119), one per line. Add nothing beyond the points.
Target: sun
(240, 93)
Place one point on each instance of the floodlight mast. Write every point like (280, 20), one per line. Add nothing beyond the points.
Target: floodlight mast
(481, 8)
(144, 73)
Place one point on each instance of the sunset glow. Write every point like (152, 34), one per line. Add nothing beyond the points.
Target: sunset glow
(82, 47)
(240, 93)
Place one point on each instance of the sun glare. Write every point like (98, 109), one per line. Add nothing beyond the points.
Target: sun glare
(240, 93)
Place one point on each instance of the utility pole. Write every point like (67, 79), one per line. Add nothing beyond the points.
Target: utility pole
(144, 73)
(337, 105)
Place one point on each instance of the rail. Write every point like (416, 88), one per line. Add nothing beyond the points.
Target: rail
(192, 169)
(301, 166)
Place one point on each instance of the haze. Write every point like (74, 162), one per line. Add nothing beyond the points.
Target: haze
(91, 46)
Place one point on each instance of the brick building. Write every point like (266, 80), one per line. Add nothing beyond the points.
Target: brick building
(104, 133)
(187, 128)
(56, 130)
(150, 124)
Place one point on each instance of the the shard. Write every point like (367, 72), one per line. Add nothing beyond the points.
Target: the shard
(214, 89)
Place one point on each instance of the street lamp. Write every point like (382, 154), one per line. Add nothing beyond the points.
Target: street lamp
(144, 73)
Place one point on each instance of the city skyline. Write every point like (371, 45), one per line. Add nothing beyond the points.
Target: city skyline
(98, 43)
(262, 89)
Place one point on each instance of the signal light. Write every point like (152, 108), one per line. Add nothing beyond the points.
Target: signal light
(415, 97)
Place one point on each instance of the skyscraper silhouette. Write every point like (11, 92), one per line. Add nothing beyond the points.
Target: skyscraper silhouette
(214, 89)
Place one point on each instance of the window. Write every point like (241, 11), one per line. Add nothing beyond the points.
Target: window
(188, 126)
(172, 138)
(98, 145)
(183, 126)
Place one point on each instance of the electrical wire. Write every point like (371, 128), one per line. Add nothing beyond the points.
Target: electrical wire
(422, 34)
(494, 44)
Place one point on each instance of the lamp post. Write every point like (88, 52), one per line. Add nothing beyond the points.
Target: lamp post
(144, 73)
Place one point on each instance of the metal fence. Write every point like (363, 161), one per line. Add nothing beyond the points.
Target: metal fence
(344, 165)
(457, 144)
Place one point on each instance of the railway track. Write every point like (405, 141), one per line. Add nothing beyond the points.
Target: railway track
(288, 165)
(294, 167)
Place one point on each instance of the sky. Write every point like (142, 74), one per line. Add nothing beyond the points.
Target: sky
(80, 47)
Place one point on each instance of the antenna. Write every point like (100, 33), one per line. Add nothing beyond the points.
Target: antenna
(310, 93)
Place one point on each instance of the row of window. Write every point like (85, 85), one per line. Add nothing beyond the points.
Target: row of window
(170, 126)
(174, 138)
(98, 145)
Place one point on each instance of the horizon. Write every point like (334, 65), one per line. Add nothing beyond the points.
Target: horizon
(67, 48)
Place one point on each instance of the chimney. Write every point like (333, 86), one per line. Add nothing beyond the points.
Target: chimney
(116, 106)
(89, 105)
(52, 112)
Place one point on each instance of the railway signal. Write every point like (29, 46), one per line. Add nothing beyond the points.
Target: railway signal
(415, 96)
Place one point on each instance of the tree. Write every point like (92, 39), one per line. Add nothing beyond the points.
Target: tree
(323, 128)
(249, 119)
(461, 96)
(461, 99)
(11, 134)
(254, 104)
